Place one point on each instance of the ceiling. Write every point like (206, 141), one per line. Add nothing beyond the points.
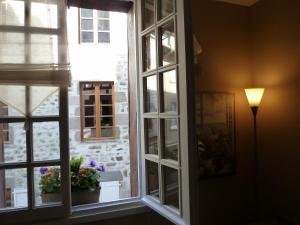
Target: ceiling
(240, 2)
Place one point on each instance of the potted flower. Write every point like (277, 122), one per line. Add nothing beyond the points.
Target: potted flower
(50, 185)
(85, 184)
(85, 180)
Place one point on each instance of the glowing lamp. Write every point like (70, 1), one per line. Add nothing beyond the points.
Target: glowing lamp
(254, 96)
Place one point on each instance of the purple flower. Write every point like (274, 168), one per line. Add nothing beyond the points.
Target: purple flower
(100, 169)
(92, 164)
(43, 170)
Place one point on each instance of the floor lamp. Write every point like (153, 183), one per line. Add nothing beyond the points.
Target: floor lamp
(254, 96)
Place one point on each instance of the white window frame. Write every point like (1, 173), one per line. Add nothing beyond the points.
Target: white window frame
(188, 178)
(95, 30)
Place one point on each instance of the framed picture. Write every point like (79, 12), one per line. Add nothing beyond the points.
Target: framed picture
(215, 122)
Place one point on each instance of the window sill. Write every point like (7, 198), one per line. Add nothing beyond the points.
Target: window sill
(97, 212)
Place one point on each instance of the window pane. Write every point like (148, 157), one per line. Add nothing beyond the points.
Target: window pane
(150, 101)
(44, 48)
(44, 15)
(13, 186)
(89, 122)
(44, 101)
(149, 52)
(171, 188)
(89, 89)
(106, 110)
(87, 37)
(47, 185)
(87, 24)
(12, 12)
(169, 91)
(103, 25)
(107, 132)
(102, 14)
(46, 142)
(89, 111)
(12, 100)
(106, 99)
(106, 121)
(148, 11)
(9, 41)
(89, 133)
(106, 88)
(152, 179)
(170, 140)
(89, 100)
(166, 8)
(151, 133)
(86, 13)
(13, 142)
(103, 37)
(167, 44)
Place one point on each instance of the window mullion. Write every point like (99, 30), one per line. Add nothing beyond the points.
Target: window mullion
(27, 35)
(29, 147)
(97, 110)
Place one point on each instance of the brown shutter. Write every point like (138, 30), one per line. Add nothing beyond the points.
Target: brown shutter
(105, 5)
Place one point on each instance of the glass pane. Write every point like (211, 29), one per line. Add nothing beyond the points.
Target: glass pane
(171, 188)
(169, 91)
(87, 24)
(103, 37)
(13, 142)
(150, 100)
(12, 101)
(167, 44)
(102, 14)
(170, 140)
(12, 12)
(151, 133)
(89, 132)
(89, 89)
(46, 142)
(87, 37)
(9, 41)
(47, 185)
(86, 13)
(89, 111)
(44, 15)
(89, 122)
(166, 8)
(148, 10)
(149, 52)
(106, 110)
(106, 121)
(105, 99)
(103, 25)
(13, 187)
(106, 88)
(107, 132)
(44, 101)
(44, 48)
(152, 179)
(89, 99)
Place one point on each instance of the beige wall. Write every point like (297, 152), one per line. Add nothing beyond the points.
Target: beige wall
(276, 66)
(224, 65)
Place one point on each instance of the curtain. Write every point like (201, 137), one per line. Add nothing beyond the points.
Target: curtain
(105, 5)
(33, 50)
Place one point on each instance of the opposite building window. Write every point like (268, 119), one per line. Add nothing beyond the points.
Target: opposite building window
(94, 26)
(97, 110)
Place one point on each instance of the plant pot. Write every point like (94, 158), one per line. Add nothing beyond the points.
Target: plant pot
(51, 198)
(85, 197)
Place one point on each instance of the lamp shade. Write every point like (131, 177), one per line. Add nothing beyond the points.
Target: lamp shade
(254, 96)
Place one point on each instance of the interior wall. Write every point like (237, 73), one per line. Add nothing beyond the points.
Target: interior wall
(225, 66)
(276, 66)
